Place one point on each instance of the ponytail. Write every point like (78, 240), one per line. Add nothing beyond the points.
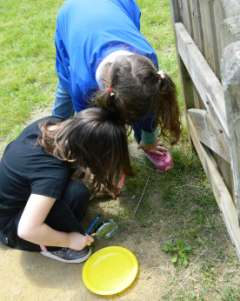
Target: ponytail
(136, 89)
(167, 109)
(108, 101)
(94, 139)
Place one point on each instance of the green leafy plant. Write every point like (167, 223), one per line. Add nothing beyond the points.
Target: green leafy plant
(179, 250)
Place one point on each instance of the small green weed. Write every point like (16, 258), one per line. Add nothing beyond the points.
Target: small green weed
(231, 294)
(179, 250)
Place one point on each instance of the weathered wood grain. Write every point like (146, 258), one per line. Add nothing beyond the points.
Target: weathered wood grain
(187, 85)
(231, 84)
(209, 50)
(219, 188)
(204, 79)
(186, 17)
(208, 134)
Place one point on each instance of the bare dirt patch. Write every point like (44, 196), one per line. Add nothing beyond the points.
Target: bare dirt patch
(177, 206)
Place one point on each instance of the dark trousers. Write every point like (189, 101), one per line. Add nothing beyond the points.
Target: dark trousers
(66, 215)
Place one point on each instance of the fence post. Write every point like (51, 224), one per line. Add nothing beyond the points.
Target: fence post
(231, 83)
(185, 78)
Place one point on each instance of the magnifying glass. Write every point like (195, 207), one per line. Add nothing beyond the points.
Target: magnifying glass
(102, 229)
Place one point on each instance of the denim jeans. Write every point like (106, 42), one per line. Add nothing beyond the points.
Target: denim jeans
(63, 106)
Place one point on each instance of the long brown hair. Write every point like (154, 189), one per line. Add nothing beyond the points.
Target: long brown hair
(94, 139)
(137, 89)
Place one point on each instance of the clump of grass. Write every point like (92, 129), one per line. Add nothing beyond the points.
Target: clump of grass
(179, 251)
(231, 294)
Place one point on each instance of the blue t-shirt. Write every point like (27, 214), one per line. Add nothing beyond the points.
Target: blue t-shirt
(87, 31)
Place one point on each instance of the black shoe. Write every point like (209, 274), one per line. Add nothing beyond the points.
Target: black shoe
(3, 238)
(68, 255)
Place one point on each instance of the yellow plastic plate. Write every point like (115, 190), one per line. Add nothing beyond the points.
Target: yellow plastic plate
(110, 270)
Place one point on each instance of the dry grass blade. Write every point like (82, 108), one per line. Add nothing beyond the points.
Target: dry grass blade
(141, 197)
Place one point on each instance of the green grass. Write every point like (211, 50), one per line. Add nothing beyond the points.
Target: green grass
(158, 29)
(26, 61)
(179, 213)
(180, 201)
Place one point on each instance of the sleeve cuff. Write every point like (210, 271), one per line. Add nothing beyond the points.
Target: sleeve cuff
(149, 137)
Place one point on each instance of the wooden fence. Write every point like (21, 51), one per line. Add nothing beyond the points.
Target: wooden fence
(208, 48)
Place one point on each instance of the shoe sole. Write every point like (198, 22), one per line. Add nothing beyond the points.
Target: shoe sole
(79, 260)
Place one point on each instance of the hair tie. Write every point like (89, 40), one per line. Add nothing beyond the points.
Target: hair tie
(110, 91)
(161, 74)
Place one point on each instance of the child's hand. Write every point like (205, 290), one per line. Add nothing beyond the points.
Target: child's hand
(156, 148)
(121, 181)
(78, 241)
(117, 187)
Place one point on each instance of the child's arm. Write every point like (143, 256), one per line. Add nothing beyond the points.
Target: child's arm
(156, 148)
(31, 226)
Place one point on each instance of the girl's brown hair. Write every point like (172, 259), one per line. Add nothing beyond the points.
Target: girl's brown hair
(137, 89)
(94, 139)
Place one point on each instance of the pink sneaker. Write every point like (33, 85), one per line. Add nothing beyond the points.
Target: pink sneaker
(162, 162)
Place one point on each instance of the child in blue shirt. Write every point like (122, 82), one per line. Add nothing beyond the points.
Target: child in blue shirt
(102, 56)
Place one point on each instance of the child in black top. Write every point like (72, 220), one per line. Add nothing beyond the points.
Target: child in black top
(41, 206)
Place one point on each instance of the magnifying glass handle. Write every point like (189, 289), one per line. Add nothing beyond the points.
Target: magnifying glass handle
(94, 223)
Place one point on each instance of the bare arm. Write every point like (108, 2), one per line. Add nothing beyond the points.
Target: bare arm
(32, 226)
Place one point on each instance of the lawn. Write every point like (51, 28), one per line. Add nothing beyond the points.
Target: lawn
(27, 55)
(177, 233)
(26, 62)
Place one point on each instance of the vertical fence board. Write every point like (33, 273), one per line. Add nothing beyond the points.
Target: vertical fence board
(231, 83)
(176, 7)
(232, 22)
(212, 55)
(220, 12)
(196, 23)
(231, 7)
(198, 38)
(175, 10)
(222, 195)
(214, 25)
(209, 34)
(202, 76)
(218, 19)
(186, 15)
(231, 31)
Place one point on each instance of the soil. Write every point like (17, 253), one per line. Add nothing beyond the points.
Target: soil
(30, 276)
